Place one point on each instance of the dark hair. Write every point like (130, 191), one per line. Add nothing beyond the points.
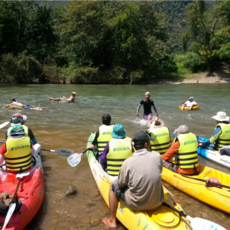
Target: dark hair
(13, 99)
(106, 119)
(139, 146)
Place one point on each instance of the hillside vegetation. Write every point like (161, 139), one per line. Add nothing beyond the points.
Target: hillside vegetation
(111, 42)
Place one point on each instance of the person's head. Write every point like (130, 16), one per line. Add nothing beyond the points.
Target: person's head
(12, 99)
(106, 119)
(221, 117)
(118, 131)
(182, 129)
(73, 94)
(147, 96)
(18, 119)
(142, 140)
(191, 98)
(17, 130)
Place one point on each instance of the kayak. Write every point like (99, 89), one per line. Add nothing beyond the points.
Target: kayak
(161, 218)
(213, 155)
(187, 108)
(30, 193)
(216, 197)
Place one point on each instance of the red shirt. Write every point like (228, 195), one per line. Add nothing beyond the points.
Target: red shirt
(171, 152)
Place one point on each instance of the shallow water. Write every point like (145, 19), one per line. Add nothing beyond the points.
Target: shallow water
(69, 125)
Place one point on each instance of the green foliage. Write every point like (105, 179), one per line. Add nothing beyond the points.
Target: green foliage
(182, 71)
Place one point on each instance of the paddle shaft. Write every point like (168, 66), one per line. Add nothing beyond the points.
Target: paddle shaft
(15, 193)
(207, 181)
(181, 213)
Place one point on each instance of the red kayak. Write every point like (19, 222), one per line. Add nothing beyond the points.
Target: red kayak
(30, 193)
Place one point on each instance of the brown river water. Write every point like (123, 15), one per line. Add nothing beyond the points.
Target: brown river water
(69, 125)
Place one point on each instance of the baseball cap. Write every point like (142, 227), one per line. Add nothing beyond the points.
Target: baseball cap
(17, 130)
(18, 119)
(191, 97)
(106, 118)
(140, 138)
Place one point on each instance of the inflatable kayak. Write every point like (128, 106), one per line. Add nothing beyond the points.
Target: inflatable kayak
(161, 218)
(216, 197)
(30, 193)
(213, 155)
(187, 108)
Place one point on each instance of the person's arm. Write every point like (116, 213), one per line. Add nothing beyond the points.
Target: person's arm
(213, 138)
(155, 109)
(7, 106)
(102, 156)
(2, 152)
(138, 107)
(171, 151)
(32, 137)
(93, 144)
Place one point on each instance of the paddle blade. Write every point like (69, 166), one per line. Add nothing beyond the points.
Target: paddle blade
(74, 159)
(9, 214)
(64, 152)
(4, 124)
(202, 224)
(26, 173)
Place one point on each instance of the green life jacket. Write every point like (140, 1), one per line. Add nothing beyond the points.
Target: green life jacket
(104, 137)
(224, 138)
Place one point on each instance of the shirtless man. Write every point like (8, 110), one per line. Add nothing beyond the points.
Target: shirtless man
(70, 99)
(16, 104)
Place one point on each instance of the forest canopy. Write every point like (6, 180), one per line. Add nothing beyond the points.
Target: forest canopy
(111, 42)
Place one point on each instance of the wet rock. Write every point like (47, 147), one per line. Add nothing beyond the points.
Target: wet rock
(71, 190)
(94, 220)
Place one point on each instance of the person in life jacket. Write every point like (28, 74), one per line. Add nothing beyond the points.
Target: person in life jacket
(116, 151)
(184, 148)
(18, 119)
(162, 137)
(221, 136)
(17, 150)
(103, 135)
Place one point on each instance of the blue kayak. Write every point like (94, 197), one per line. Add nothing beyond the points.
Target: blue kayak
(213, 155)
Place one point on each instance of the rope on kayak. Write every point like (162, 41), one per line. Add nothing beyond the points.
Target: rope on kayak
(188, 181)
(219, 193)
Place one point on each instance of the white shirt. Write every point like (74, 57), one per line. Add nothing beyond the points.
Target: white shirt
(189, 103)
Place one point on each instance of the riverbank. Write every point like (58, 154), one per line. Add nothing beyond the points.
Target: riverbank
(202, 78)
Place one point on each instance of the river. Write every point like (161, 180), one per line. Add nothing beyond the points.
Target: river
(69, 125)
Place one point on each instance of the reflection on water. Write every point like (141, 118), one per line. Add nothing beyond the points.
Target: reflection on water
(68, 125)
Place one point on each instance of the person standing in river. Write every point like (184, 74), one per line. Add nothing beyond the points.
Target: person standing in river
(147, 104)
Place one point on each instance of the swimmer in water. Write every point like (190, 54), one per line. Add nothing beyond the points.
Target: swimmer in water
(70, 99)
(16, 104)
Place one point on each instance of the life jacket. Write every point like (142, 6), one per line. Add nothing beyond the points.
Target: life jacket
(224, 138)
(187, 157)
(26, 130)
(162, 140)
(104, 137)
(18, 154)
(119, 150)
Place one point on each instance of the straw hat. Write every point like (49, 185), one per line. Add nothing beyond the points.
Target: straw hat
(221, 116)
(158, 123)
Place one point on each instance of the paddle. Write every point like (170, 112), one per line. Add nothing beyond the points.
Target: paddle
(13, 204)
(197, 223)
(152, 126)
(207, 181)
(4, 124)
(74, 159)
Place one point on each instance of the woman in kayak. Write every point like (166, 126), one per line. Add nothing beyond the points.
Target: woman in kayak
(70, 99)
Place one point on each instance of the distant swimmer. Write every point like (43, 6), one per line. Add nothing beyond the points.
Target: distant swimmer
(147, 104)
(16, 104)
(70, 99)
(190, 103)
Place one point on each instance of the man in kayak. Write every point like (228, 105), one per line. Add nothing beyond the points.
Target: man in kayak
(147, 104)
(17, 151)
(161, 134)
(70, 99)
(15, 103)
(184, 148)
(116, 151)
(103, 136)
(221, 136)
(139, 181)
(190, 103)
(18, 119)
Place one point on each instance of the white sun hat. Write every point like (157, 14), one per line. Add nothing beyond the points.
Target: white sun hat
(221, 116)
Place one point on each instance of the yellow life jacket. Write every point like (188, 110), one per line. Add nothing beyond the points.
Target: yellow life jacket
(104, 137)
(224, 138)
(119, 150)
(162, 140)
(187, 157)
(26, 130)
(18, 154)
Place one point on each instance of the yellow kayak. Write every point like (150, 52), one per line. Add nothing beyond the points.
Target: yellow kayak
(216, 197)
(161, 218)
(193, 108)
